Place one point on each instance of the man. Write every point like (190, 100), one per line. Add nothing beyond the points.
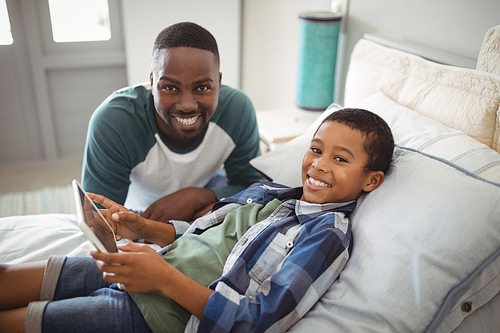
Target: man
(156, 150)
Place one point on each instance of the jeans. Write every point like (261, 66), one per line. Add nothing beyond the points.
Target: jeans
(84, 302)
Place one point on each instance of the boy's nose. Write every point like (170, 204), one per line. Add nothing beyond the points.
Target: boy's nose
(319, 164)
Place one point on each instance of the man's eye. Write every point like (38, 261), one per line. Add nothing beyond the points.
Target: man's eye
(170, 88)
(203, 88)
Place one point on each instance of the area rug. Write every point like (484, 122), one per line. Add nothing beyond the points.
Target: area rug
(44, 201)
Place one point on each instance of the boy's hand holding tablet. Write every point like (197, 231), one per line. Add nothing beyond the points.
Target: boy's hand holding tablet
(116, 222)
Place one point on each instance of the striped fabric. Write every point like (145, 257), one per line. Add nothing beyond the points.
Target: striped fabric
(281, 266)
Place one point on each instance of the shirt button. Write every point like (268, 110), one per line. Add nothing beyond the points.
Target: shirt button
(249, 200)
(289, 244)
(466, 306)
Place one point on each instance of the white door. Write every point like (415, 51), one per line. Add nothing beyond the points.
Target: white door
(48, 89)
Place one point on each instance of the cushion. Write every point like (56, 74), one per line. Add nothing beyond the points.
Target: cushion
(419, 242)
(489, 56)
(411, 129)
(463, 99)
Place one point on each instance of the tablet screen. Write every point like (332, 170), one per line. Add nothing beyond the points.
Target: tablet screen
(96, 223)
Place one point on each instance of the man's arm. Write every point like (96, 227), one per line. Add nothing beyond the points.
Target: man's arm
(106, 167)
(245, 134)
(185, 205)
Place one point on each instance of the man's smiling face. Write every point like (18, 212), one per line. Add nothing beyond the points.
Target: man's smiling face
(333, 168)
(185, 84)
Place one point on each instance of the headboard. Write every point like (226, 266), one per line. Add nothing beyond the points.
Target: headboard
(423, 86)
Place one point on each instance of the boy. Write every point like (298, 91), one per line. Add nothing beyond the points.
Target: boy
(281, 249)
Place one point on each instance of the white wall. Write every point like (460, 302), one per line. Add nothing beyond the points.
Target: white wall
(144, 19)
(269, 51)
(270, 34)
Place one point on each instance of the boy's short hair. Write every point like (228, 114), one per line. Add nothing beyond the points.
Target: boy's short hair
(186, 34)
(379, 142)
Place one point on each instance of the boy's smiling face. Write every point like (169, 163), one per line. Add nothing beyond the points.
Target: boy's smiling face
(333, 168)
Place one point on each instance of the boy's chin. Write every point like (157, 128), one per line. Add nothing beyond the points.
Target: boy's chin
(313, 199)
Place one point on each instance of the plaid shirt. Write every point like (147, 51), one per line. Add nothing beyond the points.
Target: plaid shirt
(281, 267)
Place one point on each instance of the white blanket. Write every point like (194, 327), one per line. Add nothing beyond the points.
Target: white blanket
(37, 237)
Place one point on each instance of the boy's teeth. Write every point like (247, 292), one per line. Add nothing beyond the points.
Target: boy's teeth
(318, 182)
(187, 121)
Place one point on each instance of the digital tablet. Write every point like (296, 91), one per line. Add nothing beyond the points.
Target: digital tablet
(92, 223)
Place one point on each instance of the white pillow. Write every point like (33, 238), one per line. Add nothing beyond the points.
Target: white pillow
(460, 98)
(419, 242)
(411, 129)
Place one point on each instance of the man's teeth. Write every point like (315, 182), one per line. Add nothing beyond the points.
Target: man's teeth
(318, 182)
(187, 121)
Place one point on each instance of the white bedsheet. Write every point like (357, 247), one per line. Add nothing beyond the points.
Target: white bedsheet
(37, 237)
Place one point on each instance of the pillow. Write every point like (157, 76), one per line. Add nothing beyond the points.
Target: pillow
(464, 99)
(489, 56)
(419, 242)
(411, 129)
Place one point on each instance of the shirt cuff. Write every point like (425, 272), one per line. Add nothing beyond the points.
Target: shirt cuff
(179, 226)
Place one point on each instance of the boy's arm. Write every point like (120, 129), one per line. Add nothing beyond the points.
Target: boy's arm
(306, 273)
(130, 225)
(139, 269)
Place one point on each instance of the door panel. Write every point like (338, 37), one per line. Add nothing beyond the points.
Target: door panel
(49, 90)
(74, 95)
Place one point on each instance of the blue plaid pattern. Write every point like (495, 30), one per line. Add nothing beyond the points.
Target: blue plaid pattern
(281, 266)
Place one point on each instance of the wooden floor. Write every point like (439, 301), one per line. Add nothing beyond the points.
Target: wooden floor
(35, 176)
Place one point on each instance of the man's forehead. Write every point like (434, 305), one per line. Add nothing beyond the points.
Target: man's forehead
(181, 53)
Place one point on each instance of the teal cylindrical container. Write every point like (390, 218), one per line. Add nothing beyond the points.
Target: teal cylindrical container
(318, 42)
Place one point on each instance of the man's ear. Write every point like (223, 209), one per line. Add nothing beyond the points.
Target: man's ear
(220, 79)
(151, 78)
(376, 178)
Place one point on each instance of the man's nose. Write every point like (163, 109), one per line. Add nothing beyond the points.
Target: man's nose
(187, 102)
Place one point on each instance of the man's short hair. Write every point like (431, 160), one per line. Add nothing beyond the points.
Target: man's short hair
(186, 34)
(379, 142)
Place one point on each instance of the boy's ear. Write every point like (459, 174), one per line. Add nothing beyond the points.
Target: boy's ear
(375, 179)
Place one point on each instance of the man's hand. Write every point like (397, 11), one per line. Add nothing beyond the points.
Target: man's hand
(184, 205)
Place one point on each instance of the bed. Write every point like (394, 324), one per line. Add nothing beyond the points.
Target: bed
(427, 242)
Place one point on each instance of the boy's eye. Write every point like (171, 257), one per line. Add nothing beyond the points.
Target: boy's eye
(315, 150)
(340, 159)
